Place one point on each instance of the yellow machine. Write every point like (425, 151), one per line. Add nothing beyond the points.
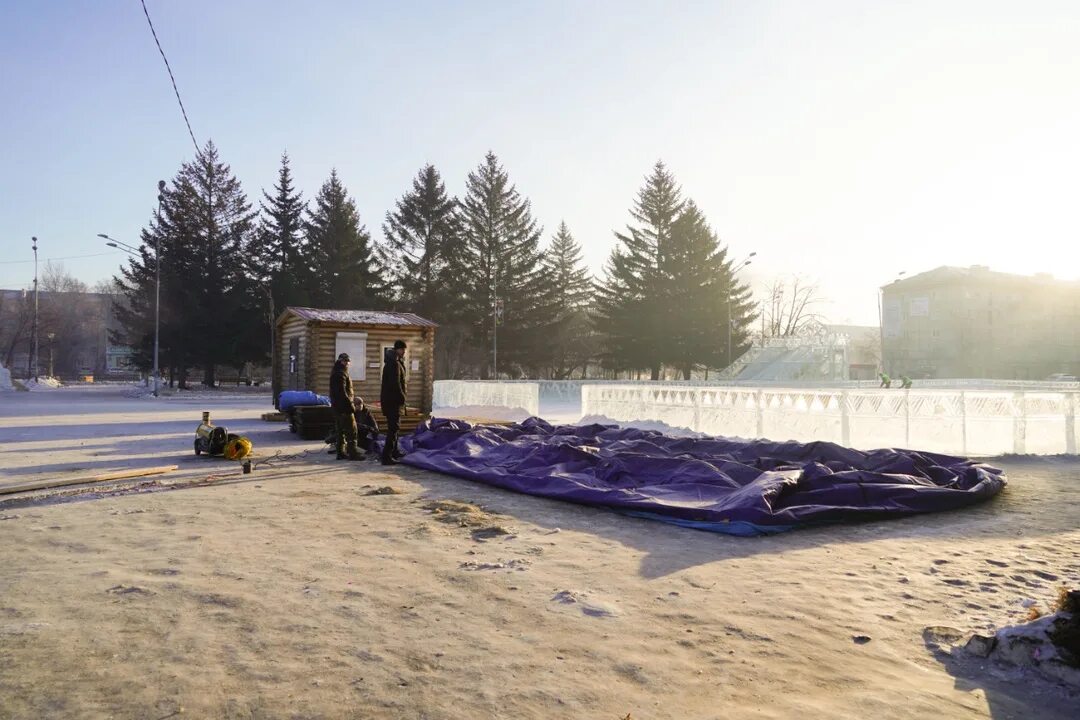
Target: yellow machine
(216, 440)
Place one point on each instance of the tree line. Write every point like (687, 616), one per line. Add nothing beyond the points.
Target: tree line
(478, 265)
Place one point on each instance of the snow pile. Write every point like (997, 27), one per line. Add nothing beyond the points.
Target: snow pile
(1048, 645)
(45, 383)
(5, 379)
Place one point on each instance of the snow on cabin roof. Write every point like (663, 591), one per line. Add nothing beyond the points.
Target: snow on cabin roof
(360, 317)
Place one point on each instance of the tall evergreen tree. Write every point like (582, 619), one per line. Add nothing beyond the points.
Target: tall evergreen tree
(207, 304)
(669, 294)
(707, 297)
(501, 262)
(422, 244)
(634, 308)
(278, 251)
(569, 292)
(346, 274)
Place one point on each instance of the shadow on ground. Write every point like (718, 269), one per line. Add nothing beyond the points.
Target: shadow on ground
(1008, 689)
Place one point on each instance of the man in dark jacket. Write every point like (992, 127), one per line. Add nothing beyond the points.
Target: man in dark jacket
(393, 399)
(341, 402)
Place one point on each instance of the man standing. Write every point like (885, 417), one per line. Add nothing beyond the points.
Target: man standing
(341, 402)
(393, 400)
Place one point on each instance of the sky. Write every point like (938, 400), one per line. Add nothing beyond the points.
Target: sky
(841, 141)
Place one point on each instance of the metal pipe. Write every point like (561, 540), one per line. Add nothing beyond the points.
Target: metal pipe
(157, 289)
(34, 354)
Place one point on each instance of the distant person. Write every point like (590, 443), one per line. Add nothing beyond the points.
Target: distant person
(886, 381)
(341, 402)
(905, 382)
(393, 400)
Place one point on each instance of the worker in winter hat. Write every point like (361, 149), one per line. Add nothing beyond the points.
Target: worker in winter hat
(392, 399)
(341, 402)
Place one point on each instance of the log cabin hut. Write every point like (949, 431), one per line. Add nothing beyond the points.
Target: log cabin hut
(307, 341)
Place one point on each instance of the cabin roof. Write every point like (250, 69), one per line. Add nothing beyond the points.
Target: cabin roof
(358, 317)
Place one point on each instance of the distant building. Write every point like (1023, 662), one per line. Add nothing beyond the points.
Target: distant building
(79, 323)
(817, 353)
(972, 322)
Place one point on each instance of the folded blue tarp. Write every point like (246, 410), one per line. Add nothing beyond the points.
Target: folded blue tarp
(291, 398)
(740, 487)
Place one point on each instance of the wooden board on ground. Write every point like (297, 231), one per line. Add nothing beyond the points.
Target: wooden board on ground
(274, 417)
(478, 421)
(408, 422)
(103, 477)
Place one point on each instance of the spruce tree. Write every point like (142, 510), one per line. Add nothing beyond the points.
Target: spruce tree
(207, 301)
(345, 274)
(669, 291)
(278, 252)
(422, 245)
(707, 296)
(634, 303)
(501, 263)
(569, 290)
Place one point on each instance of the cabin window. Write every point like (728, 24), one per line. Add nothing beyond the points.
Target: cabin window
(355, 344)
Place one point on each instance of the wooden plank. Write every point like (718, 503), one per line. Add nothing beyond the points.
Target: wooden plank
(105, 477)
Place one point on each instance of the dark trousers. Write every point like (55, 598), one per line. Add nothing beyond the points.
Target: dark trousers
(393, 428)
(345, 432)
(367, 429)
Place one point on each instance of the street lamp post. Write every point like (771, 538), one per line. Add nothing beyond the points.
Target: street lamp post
(157, 289)
(881, 317)
(51, 337)
(157, 283)
(730, 318)
(131, 250)
(34, 351)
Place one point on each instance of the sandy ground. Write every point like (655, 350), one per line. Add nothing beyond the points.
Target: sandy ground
(294, 593)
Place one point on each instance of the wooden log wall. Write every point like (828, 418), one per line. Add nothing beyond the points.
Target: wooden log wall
(291, 327)
(420, 340)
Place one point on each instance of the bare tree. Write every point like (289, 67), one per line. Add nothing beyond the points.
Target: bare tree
(789, 305)
(56, 279)
(16, 312)
(71, 321)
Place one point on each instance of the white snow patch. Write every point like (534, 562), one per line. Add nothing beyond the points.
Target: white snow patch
(45, 383)
(5, 379)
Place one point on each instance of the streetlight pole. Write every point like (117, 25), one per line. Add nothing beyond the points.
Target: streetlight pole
(157, 289)
(881, 316)
(730, 319)
(51, 336)
(34, 351)
(157, 292)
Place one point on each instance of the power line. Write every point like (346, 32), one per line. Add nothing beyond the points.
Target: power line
(173, 79)
(68, 257)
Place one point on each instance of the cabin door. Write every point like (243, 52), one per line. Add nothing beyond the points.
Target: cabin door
(294, 364)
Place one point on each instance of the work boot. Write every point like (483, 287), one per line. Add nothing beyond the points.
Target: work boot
(389, 460)
(353, 453)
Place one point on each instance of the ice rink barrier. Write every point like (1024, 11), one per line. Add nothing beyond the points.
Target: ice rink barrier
(469, 393)
(960, 421)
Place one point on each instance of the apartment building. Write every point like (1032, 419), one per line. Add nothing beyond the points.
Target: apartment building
(973, 322)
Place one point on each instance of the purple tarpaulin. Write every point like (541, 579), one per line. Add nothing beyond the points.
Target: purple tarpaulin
(740, 487)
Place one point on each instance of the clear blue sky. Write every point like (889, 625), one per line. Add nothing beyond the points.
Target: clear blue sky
(842, 140)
